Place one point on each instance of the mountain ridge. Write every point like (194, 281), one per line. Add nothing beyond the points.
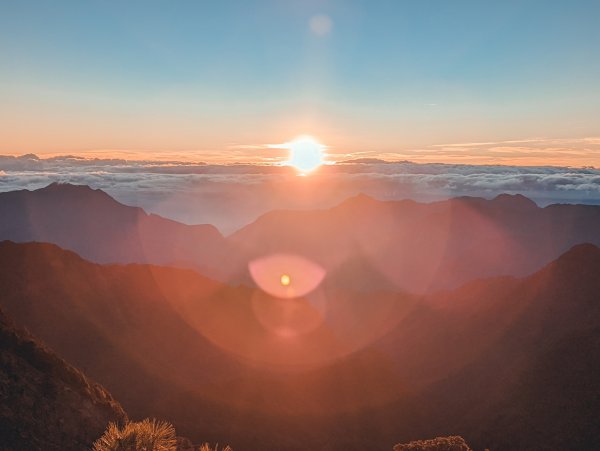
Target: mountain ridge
(96, 226)
(474, 352)
(448, 242)
(46, 403)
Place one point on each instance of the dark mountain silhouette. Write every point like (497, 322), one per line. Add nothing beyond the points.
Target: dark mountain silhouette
(507, 363)
(99, 228)
(363, 243)
(46, 404)
(534, 346)
(149, 334)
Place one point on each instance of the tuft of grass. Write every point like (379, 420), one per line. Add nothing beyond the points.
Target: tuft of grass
(146, 435)
(206, 447)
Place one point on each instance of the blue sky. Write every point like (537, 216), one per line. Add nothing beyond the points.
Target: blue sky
(384, 77)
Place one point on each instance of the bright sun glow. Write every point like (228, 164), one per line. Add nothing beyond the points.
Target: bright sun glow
(306, 154)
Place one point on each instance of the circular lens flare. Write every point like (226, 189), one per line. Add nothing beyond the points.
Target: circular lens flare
(285, 280)
(286, 276)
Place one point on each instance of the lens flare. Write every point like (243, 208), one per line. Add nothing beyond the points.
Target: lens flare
(286, 276)
(285, 280)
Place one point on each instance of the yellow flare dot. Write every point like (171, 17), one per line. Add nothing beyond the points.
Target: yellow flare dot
(285, 280)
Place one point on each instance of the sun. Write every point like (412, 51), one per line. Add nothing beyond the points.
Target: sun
(306, 154)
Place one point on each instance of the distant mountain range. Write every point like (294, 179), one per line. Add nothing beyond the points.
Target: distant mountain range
(424, 247)
(99, 228)
(45, 403)
(363, 243)
(508, 363)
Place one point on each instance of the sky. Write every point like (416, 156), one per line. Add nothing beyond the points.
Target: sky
(469, 82)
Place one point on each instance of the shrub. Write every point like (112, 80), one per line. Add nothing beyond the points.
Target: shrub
(454, 443)
(146, 435)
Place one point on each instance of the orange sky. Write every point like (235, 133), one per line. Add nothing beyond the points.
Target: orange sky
(528, 152)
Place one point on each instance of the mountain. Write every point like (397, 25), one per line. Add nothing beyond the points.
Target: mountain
(508, 363)
(172, 344)
(362, 244)
(46, 404)
(99, 228)
(530, 382)
(422, 247)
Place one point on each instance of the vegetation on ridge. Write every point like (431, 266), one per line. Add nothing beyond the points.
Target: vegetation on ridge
(453, 443)
(146, 435)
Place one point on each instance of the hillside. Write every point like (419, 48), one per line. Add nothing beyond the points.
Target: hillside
(478, 361)
(46, 404)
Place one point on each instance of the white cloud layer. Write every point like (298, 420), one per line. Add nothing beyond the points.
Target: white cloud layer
(230, 196)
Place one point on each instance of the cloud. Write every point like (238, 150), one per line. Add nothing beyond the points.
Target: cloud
(230, 196)
(557, 152)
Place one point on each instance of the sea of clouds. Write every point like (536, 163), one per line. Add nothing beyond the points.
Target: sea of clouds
(230, 196)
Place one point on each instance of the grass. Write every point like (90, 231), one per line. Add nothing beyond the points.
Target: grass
(146, 435)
